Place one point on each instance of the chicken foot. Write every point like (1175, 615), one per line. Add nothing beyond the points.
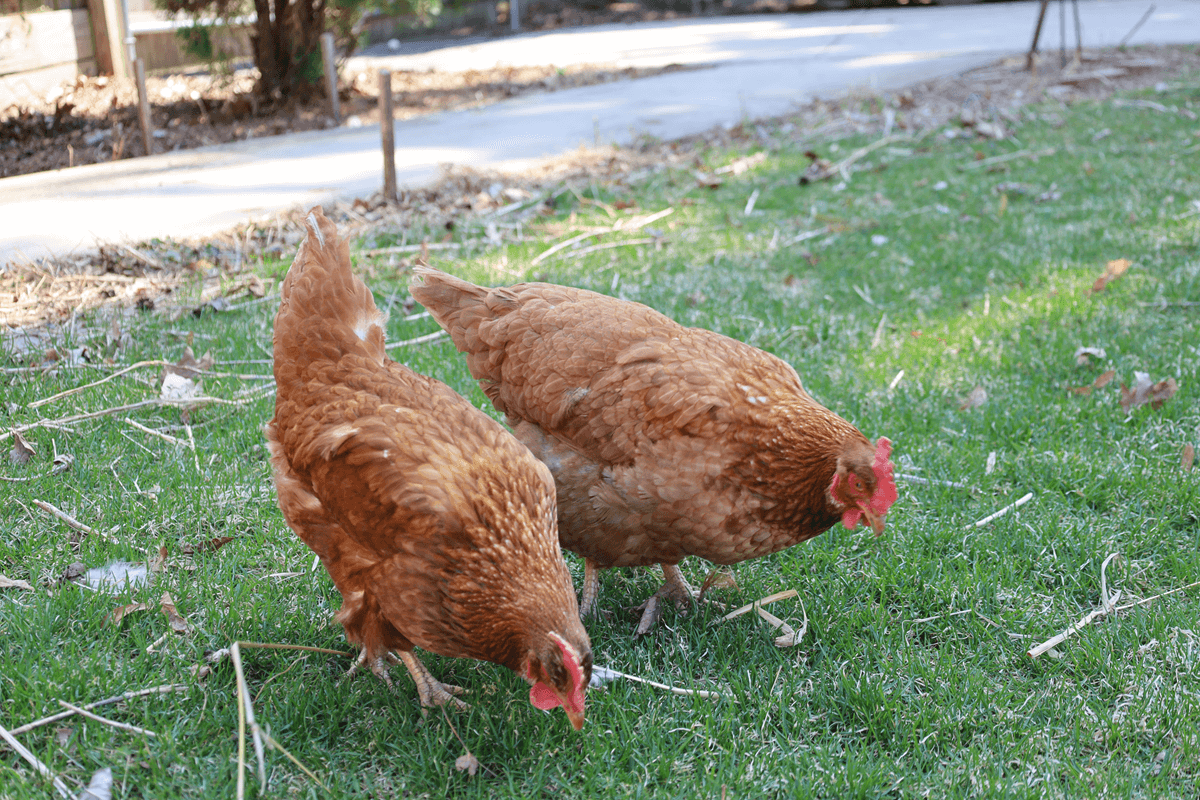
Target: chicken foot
(430, 690)
(675, 587)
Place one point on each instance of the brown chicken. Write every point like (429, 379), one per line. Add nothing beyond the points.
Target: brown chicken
(664, 441)
(436, 525)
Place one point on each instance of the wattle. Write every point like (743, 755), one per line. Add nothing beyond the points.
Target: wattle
(543, 697)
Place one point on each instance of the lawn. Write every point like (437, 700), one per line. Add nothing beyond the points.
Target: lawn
(936, 294)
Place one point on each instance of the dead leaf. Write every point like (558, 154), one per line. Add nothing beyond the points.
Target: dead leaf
(1102, 380)
(188, 367)
(717, 579)
(62, 463)
(1145, 392)
(177, 387)
(216, 543)
(467, 763)
(1083, 355)
(1186, 461)
(178, 623)
(975, 398)
(73, 571)
(9, 583)
(212, 659)
(622, 205)
(706, 181)
(100, 786)
(157, 562)
(22, 451)
(1112, 271)
(115, 616)
(818, 169)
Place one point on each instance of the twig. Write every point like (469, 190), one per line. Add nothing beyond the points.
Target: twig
(737, 612)
(930, 481)
(790, 636)
(606, 672)
(454, 730)
(105, 379)
(801, 237)
(71, 521)
(140, 256)
(1003, 511)
(113, 723)
(429, 337)
(164, 689)
(166, 437)
(33, 760)
(277, 746)
(987, 162)
(1107, 606)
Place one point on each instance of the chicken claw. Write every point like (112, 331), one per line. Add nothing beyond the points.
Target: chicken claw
(379, 666)
(430, 690)
(675, 587)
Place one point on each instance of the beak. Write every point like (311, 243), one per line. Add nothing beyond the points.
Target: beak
(575, 717)
(874, 519)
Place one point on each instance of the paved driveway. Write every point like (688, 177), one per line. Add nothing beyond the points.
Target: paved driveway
(763, 66)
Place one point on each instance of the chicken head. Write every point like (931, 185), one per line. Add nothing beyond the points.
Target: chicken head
(864, 484)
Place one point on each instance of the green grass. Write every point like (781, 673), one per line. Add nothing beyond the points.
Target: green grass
(874, 702)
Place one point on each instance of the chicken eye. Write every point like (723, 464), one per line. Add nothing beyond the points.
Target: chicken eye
(858, 485)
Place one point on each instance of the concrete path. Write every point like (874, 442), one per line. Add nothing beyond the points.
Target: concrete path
(763, 66)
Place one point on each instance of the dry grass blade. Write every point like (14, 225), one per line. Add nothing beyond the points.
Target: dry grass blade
(607, 674)
(164, 689)
(790, 636)
(83, 712)
(989, 162)
(1107, 606)
(71, 521)
(1188, 457)
(106, 379)
(930, 481)
(1003, 511)
(771, 598)
(166, 437)
(429, 337)
(246, 715)
(9, 583)
(34, 762)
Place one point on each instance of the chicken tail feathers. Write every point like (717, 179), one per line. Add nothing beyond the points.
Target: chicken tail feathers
(461, 308)
(326, 311)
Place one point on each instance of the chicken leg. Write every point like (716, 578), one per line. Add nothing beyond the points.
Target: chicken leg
(591, 589)
(675, 587)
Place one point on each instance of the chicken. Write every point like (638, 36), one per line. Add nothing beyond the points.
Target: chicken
(436, 525)
(664, 441)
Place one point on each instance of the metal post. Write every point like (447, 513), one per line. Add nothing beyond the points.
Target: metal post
(514, 14)
(387, 135)
(139, 70)
(331, 76)
(130, 39)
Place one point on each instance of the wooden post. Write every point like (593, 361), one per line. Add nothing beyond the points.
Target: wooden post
(109, 38)
(1037, 34)
(387, 133)
(331, 76)
(139, 68)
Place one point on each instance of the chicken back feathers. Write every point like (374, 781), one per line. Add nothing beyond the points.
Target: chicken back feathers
(436, 525)
(664, 441)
